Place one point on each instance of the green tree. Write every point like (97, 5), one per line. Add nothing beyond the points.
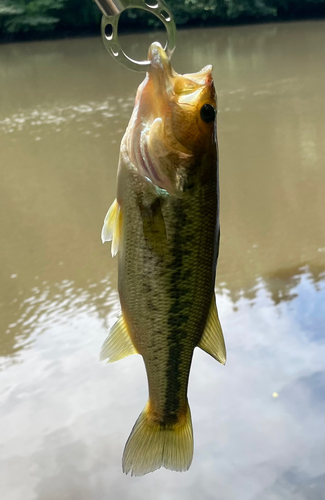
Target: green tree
(189, 11)
(29, 15)
(44, 18)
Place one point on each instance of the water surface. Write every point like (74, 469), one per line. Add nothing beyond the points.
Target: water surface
(64, 417)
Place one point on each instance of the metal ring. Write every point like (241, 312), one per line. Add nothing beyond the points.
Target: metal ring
(110, 32)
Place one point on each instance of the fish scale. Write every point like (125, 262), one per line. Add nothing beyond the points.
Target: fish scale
(165, 226)
(179, 286)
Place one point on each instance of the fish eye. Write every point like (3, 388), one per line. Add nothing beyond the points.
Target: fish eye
(208, 113)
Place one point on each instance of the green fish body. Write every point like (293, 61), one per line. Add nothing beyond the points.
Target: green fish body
(164, 225)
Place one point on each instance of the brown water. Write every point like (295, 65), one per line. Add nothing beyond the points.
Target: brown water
(64, 417)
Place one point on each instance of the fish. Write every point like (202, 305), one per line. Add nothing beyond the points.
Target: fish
(164, 227)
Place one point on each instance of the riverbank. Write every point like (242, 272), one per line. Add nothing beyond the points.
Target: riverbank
(46, 19)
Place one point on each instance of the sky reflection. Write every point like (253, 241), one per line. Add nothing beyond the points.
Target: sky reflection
(74, 413)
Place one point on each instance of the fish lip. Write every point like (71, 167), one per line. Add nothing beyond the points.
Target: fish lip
(160, 71)
(152, 103)
(158, 57)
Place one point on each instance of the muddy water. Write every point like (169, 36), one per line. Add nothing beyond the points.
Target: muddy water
(64, 417)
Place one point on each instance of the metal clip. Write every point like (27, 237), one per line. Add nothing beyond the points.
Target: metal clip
(112, 10)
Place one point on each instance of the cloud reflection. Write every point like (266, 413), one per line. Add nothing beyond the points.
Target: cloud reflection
(74, 413)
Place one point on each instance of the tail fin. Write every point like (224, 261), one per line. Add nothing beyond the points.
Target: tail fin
(152, 445)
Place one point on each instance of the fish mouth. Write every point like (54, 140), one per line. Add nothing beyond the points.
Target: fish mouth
(159, 86)
(161, 73)
(158, 57)
(146, 143)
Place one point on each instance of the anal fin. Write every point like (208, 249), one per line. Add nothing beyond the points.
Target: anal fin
(212, 340)
(118, 344)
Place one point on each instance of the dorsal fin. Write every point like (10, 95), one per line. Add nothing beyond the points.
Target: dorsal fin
(118, 344)
(212, 340)
(112, 227)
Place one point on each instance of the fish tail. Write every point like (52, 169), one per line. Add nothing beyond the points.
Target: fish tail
(152, 445)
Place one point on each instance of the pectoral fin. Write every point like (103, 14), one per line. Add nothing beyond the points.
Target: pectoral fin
(212, 340)
(118, 344)
(112, 227)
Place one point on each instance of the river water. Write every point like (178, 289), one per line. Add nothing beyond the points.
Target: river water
(64, 417)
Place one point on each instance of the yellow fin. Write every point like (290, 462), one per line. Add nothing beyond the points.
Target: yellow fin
(112, 227)
(109, 222)
(152, 445)
(118, 344)
(116, 242)
(212, 340)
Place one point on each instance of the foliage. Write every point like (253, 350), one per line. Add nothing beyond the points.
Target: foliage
(43, 18)
(221, 11)
(25, 15)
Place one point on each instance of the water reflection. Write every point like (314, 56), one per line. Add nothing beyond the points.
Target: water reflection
(64, 417)
(280, 284)
(74, 413)
(56, 303)
(85, 118)
(32, 313)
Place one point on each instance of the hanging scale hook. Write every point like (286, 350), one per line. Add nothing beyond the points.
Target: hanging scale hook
(112, 10)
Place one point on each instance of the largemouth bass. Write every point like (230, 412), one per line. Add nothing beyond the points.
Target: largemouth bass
(164, 225)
